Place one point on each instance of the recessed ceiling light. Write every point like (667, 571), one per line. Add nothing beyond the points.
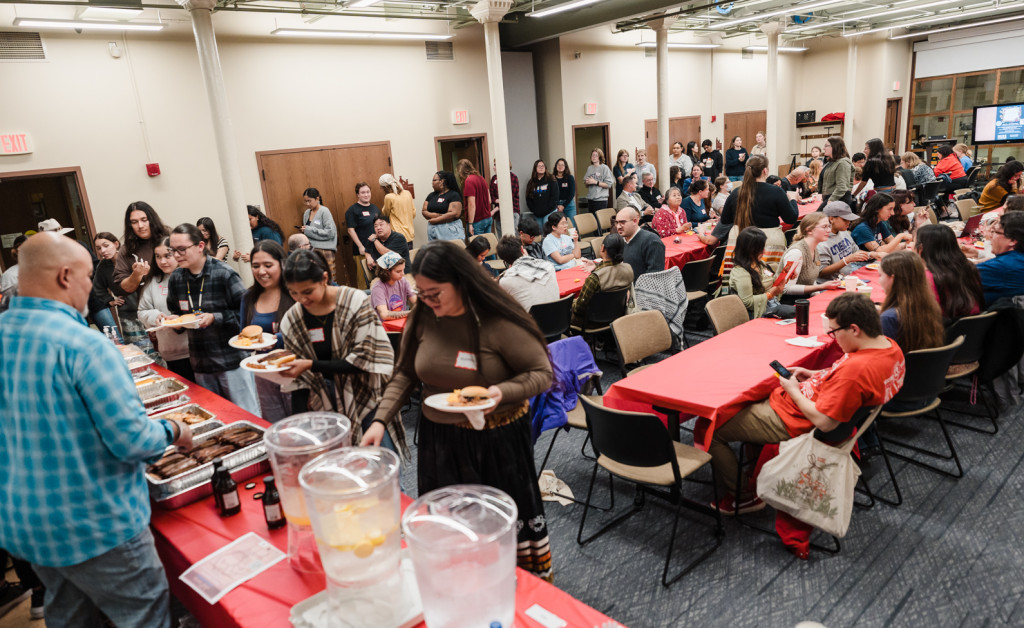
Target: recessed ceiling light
(86, 25)
(568, 6)
(330, 34)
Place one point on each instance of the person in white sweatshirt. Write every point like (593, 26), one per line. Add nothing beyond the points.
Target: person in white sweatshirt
(172, 343)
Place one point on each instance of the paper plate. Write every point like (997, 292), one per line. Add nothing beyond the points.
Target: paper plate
(252, 359)
(189, 325)
(440, 402)
(874, 266)
(268, 341)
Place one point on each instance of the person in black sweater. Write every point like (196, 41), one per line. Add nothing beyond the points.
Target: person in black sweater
(541, 192)
(645, 251)
(757, 203)
(651, 195)
(711, 160)
(880, 168)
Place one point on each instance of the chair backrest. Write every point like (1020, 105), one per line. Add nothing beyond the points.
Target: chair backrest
(492, 242)
(641, 335)
(790, 234)
(908, 177)
(604, 219)
(715, 271)
(459, 243)
(553, 318)
(1004, 343)
(932, 218)
(606, 306)
(586, 224)
(395, 337)
(412, 255)
(926, 372)
(596, 244)
(366, 271)
(696, 274)
(860, 421)
(929, 191)
(726, 312)
(974, 329)
(967, 208)
(637, 439)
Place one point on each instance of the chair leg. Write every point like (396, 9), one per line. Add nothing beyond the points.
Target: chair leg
(637, 506)
(952, 455)
(583, 448)
(550, 447)
(991, 413)
(892, 478)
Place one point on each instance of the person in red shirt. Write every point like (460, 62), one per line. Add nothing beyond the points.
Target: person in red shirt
(950, 166)
(869, 373)
(476, 198)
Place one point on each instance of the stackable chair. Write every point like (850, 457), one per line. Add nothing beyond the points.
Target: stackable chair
(553, 318)
(726, 312)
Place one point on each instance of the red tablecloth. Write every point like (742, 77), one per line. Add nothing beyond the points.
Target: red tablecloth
(570, 280)
(718, 377)
(186, 535)
(394, 324)
(688, 249)
(802, 210)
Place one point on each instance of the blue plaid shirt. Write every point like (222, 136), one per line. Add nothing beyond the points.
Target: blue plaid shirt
(73, 438)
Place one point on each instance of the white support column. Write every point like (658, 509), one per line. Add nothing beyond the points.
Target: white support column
(209, 63)
(661, 27)
(772, 30)
(489, 13)
(851, 93)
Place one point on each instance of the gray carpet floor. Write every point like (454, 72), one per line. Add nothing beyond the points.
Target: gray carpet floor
(951, 555)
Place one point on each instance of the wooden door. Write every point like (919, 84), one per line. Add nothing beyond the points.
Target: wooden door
(892, 123)
(587, 137)
(453, 148)
(683, 129)
(334, 171)
(746, 124)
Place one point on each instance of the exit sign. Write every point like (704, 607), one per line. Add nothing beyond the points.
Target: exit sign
(460, 117)
(15, 144)
(590, 108)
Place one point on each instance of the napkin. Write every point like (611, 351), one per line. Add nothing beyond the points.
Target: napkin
(805, 341)
(476, 419)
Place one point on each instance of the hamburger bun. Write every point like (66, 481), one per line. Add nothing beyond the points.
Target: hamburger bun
(469, 396)
(252, 332)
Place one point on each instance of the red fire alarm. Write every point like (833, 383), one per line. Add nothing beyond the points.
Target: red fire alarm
(713, 118)
(153, 169)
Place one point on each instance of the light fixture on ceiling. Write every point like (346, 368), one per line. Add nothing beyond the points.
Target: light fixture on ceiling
(331, 34)
(959, 27)
(781, 49)
(651, 44)
(935, 18)
(108, 13)
(361, 4)
(916, 7)
(788, 11)
(84, 25)
(568, 6)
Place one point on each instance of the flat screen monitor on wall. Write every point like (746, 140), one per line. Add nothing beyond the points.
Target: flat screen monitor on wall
(999, 124)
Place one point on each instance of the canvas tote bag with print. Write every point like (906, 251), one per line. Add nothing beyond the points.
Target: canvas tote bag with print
(812, 481)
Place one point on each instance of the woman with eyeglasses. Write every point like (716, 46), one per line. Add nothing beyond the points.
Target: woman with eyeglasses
(170, 342)
(343, 355)
(133, 264)
(465, 330)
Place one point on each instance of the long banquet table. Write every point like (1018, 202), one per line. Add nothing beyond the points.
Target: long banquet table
(715, 379)
(189, 534)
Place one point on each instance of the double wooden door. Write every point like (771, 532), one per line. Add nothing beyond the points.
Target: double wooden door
(334, 171)
(746, 124)
(684, 129)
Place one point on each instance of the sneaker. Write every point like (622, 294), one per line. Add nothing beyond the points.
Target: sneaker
(727, 505)
(12, 595)
(38, 598)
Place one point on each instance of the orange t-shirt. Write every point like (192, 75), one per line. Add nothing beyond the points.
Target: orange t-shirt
(868, 377)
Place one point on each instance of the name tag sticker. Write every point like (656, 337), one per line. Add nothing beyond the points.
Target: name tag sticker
(316, 335)
(183, 305)
(366, 213)
(465, 360)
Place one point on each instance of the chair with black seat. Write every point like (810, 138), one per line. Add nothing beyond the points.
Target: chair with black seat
(927, 193)
(975, 330)
(715, 270)
(924, 381)
(553, 318)
(696, 276)
(605, 307)
(576, 419)
(726, 312)
(790, 234)
(908, 178)
(635, 447)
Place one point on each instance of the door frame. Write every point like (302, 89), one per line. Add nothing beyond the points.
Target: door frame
(49, 172)
(899, 116)
(485, 167)
(607, 142)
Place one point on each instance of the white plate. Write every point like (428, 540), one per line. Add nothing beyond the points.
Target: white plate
(874, 266)
(246, 364)
(440, 402)
(268, 341)
(190, 325)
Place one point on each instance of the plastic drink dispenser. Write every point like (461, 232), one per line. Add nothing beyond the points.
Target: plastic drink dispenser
(462, 540)
(292, 443)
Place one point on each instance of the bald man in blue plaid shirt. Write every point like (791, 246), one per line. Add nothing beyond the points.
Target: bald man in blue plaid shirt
(74, 442)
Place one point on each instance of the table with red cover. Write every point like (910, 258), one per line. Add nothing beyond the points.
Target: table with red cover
(802, 210)
(715, 379)
(688, 249)
(189, 534)
(570, 280)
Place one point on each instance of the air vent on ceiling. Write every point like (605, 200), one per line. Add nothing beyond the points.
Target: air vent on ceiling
(650, 51)
(440, 51)
(21, 46)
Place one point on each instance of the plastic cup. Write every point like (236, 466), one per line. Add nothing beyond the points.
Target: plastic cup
(851, 283)
(462, 541)
(292, 443)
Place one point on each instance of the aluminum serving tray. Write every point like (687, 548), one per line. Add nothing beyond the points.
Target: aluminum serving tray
(161, 393)
(202, 427)
(194, 484)
(139, 364)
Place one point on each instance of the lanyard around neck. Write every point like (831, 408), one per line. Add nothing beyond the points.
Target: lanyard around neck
(188, 288)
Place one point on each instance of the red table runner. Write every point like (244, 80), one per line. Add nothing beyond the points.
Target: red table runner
(718, 377)
(191, 533)
(570, 280)
(688, 249)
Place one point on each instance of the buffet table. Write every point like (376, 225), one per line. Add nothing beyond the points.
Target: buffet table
(187, 535)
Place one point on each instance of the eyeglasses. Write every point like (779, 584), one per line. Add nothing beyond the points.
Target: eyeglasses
(181, 249)
(434, 297)
(621, 222)
(832, 332)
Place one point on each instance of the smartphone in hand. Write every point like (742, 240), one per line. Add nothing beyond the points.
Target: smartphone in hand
(781, 370)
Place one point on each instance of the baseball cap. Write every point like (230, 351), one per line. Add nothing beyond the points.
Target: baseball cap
(51, 224)
(840, 209)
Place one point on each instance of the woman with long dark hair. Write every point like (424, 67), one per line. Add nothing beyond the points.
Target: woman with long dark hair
(609, 274)
(133, 267)
(955, 280)
(265, 304)
(872, 231)
(263, 228)
(676, 176)
(693, 152)
(905, 218)
(880, 168)
(910, 313)
(836, 180)
(566, 189)
(318, 225)
(749, 275)
(171, 343)
(216, 245)
(443, 208)
(1003, 184)
(759, 204)
(541, 191)
(465, 330)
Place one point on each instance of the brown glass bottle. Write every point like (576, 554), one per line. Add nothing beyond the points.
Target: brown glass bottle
(225, 491)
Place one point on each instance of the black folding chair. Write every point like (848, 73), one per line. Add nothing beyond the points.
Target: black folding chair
(553, 318)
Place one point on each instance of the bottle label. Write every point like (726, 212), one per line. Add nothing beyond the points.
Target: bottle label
(273, 512)
(230, 500)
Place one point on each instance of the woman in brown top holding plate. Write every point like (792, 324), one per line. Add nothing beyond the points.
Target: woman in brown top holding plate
(466, 331)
